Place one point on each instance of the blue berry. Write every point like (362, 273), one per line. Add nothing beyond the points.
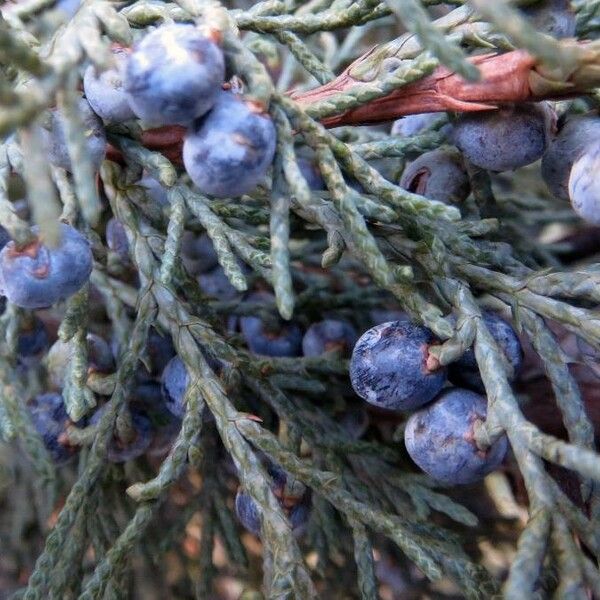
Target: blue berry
(329, 335)
(438, 175)
(227, 153)
(311, 173)
(174, 75)
(174, 382)
(575, 135)
(55, 138)
(105, 91)
(391, 366)
(584, 186)
(198, 253)
(465, 372)
(215, 284)
(50, 419)
(440, 438)
(148, 398)
(292, 495)
(160, 350)
(38, 276)
(119, 450)
(554, 17)
(32, 341)
(278, 338)
(504, 139)
(116, 239)
(100, 355)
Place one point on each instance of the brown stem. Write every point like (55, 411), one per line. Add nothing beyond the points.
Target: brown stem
(505, 79)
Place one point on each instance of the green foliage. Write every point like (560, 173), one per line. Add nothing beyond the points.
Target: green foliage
(342, 249)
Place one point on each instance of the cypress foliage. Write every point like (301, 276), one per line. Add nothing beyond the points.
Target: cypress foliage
(330, 234)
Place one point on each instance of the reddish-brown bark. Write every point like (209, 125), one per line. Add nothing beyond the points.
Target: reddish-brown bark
(505, 78)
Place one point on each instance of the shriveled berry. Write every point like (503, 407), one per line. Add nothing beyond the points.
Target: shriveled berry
(38, 276)
(174, 75)
(465, 372)
(438, 175)
(50, 419)
(575, 135)
(123, 450)
(504, 139)
(440, 438)
(227, 153)
(554, 17)
(276, 338)
(584, 185)
(292, 495)
(105, 92)
(329, 335)
(391, 366)
(55, 137)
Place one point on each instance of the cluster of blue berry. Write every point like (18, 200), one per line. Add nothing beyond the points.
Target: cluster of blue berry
(513, 137)
(270, 337)
(392, 368)
(148, 426)
(292, 495)
(327, 337)
(497, 141)
(176, 76)
(504, 140)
